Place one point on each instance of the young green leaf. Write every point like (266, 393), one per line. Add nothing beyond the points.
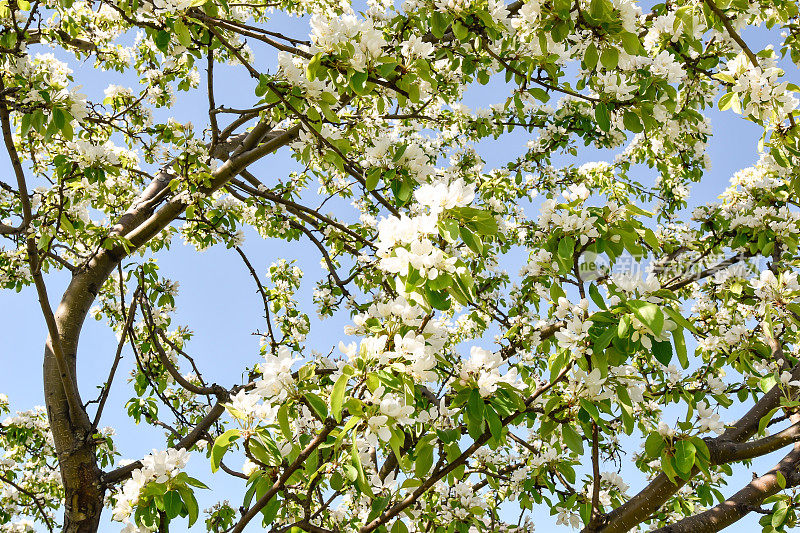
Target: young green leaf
(571, 438)
(221, 445)
(337, 396)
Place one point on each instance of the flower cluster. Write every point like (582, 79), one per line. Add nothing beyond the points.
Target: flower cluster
(758, 89)
(483, 368)
(157, 467)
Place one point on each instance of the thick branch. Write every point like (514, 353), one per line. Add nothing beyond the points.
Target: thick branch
(741, 503)
(197, 433)
(658, 491)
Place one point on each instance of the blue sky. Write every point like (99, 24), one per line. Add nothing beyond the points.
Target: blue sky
(217, 298)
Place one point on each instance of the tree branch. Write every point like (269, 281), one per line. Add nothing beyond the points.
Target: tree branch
(660, 489)
(197, 433)
(285, 475)
(732, 32)
(48, 522)
(743, 502)
(107, 387)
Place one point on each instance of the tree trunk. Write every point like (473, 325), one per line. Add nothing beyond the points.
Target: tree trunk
(80, 474)
(72, 432)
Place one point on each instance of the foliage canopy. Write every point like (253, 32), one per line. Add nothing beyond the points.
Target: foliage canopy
(471, 397)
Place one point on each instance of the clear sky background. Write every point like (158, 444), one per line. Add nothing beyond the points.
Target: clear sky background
(217, 298)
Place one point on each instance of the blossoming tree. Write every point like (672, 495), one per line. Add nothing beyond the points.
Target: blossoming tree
(466, 397)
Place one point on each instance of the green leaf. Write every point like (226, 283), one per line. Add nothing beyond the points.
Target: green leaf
(161, 40)
(424, 460)
(196, 483)
(556, 292)
(172, 504)
(283, 421)
(358, 82)
(402, 190)
(440, 282)
(221, 445)
(475, 406)
(485, 223)
(663, 352)
(701, 449)
(598, 9)
(603, 117)
(184, 36)
(438, 299)
(58, 118)
(192, 508)
(684, 456)
(648, 314)
(566, 249)
(494, 422)
(667, 466)
(562, 7)
(350, 472)
(678, 318)
(448, 229)
(654, 444)
(572, 439)
(67, 131)
(336, 481)
(631, 121)
(604, 340)
(628, 421)
(725, 101)
(347, 427)
(313, 66)
(609, 57)
(590, 56)
(26, 124)
(725, 77)
(779, 514)
(318, 404)
(623, 326)
(361, 480)
(337, 396)
(630, 42)
(590, 408)
(764, 421)
(399, 527)
(597, 298)
(270, 511)
(372, 178)
(438, 24)
(680, 347)
(767, 383)
(471, 240)
(459, 30)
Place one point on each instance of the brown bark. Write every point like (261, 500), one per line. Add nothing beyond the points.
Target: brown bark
(733, 441)
(72, 436)
(743, 502)
(82, 478)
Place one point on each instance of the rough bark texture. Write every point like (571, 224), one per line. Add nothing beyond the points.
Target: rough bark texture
(652, 497)
(80, 473)
(743, 502)
(83, 481)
